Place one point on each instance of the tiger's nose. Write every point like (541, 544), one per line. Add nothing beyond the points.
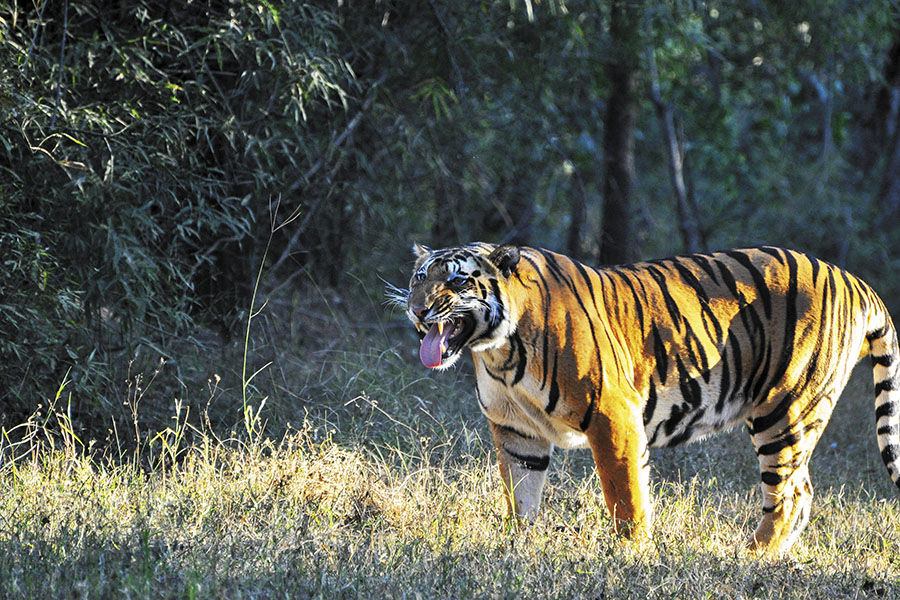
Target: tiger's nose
(419, 311)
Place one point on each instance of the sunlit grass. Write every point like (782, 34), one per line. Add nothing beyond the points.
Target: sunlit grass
(387, 488)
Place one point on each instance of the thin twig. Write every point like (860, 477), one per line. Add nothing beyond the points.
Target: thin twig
(339, 140)
(686, 221)
(62, 56)
(448, 37)
(37, 28)
(332, 147)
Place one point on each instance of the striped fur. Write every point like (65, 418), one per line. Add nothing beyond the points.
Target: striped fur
(659, 353)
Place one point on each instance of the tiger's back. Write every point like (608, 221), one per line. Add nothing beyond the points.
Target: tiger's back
(729, 334)
(664, 352)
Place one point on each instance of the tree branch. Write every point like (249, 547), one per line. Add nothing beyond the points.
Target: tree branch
(687, 222)
(62, 56)
(335, 143)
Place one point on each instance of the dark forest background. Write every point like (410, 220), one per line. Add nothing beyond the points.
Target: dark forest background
(155, 155)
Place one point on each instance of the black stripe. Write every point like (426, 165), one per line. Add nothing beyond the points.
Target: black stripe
(546, 353)
(888, 409)
(777, 253)
(729, 280)
(826, 332)
(619, 368)
(790, 319)
(478, 397)
(725, 382)
(532, 463)
(815, 267)
(691, 280)
(546, 327)
(552, 265)
(884, 361)
(690, 389)
(662, 357)
(520, 367)
(588, 415)
(770, 478)
(758, 279)
(675, 417)
(750, 317)
(702, 261)
(688, 431)
(650, 405)
(737, 363)
(587, 280)
(513, 431)
(638, 305)
(891, 430)
(778, 445)
(764, 422)
(652, 440)
(850, 282)
(668, 300)
(695, 284)
(890, 453)
(758, 375)
(554, 387)
(495, 289)
(697, 351)
(878, 333)
(494, 376)
(563, 277)
(888, 385)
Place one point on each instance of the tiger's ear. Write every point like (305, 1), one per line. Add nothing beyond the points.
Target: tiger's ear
(505, 258)
(420, 251)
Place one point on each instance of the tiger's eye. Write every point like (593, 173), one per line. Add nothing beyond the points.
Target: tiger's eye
(456, 280)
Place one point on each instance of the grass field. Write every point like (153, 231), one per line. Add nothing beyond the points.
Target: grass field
(365, 477)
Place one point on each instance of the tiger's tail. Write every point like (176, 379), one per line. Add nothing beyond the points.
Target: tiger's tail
(883, 350)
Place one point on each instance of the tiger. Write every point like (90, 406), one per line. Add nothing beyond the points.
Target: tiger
(652, 354)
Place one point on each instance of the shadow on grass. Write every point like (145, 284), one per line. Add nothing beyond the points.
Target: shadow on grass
(361, 563)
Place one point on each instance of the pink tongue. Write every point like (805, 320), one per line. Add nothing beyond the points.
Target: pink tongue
(433, 346)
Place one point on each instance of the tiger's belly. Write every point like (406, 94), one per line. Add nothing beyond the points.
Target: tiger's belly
(673, 416)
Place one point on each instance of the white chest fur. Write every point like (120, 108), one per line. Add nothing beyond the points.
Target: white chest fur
(522, 407)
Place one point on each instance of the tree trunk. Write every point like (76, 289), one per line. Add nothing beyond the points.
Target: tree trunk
(618, 136)
(509, 214)
(888, 113)
(889, 192)
(577, 213)
(688, 215)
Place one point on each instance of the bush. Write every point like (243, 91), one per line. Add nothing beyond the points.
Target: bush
(143, 147)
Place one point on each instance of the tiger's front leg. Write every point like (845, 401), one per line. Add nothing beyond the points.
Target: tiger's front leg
(619, 445)
(523, 461)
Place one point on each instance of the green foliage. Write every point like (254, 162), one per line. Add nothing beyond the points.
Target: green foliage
(139, 160)
(145, 146)
(155, 156)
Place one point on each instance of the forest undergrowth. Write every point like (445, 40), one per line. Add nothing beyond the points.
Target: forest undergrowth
(374, 478)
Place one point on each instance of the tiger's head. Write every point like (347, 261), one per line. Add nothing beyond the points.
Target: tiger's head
(457, 298)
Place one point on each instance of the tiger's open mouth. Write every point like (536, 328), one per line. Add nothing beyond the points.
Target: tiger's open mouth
(444, 339)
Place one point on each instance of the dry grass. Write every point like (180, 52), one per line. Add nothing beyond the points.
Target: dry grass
(386, 487)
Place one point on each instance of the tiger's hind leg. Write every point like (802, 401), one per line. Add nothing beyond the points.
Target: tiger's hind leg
(786, 509)
(783, 447)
